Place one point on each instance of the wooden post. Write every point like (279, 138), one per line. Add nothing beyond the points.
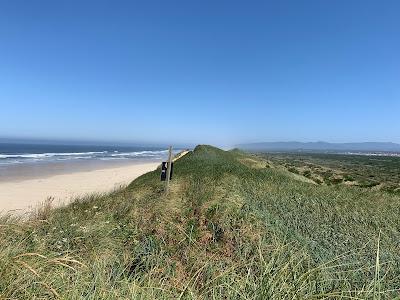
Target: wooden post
(169, 167)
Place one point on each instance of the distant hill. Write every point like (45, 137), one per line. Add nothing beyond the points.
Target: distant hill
(321, 146)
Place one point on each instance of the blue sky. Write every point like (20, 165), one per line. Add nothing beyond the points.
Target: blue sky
(220, 72)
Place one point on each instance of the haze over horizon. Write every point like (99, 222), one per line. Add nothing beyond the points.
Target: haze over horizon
(217, 73)
(266, 145)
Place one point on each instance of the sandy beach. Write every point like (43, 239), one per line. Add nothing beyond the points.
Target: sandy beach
(20, 196)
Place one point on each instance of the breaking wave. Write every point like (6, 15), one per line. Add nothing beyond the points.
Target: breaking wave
(14, 158)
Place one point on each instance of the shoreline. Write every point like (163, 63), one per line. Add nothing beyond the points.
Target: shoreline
(21, 196)
(36, 170)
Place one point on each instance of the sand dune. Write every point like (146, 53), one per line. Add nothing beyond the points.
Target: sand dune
(21, 196)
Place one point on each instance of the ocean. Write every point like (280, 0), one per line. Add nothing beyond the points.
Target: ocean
(21, 161)
(37, 153)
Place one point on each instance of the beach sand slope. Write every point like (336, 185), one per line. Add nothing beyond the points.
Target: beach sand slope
(21, 196)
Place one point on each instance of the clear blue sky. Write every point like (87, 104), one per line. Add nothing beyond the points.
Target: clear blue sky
(219, 72)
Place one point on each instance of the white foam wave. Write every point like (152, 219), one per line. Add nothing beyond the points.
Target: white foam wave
(140, 153)
(101, 155)
(46, 155)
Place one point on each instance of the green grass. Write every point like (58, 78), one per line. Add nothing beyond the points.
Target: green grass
(231, 227)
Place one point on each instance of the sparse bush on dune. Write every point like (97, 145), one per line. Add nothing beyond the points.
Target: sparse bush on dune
(227, 229)
(293, 170)
(307, 173)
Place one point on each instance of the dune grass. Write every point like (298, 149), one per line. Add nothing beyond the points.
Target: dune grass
(230, 228)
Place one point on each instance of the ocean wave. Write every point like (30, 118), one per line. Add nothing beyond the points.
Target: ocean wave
(140, 153)
(45, 155)
(101, 155)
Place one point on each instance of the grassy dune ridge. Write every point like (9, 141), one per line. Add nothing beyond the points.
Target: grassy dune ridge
(229, 228)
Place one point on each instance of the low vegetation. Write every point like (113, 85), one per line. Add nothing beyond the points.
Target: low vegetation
(381, 172)
(233, 226)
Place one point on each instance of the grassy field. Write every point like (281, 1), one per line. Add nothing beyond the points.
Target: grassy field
(380, 172)
(233, 226)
